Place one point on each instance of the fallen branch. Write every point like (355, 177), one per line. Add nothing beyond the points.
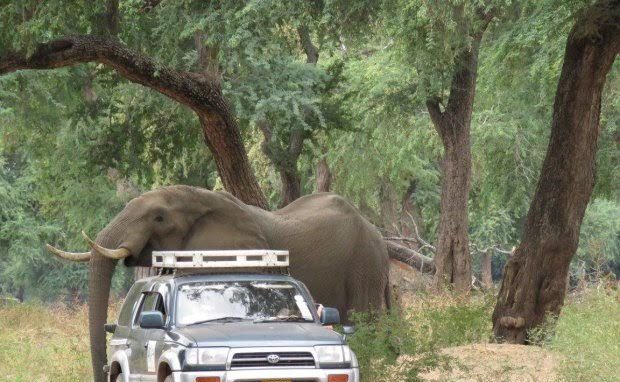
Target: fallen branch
(408, 256)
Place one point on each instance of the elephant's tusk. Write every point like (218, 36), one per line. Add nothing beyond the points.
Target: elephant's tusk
(73, 256)
(117, 254)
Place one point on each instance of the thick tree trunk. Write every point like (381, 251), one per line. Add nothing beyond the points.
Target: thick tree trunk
(197, 91)
(323, 176)
(290, 186)
(453, 260)
(534, 283)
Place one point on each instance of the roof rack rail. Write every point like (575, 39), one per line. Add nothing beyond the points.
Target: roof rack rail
(244, 258)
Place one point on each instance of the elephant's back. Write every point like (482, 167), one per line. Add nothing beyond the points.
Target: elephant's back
(334, 249)
(319, 205)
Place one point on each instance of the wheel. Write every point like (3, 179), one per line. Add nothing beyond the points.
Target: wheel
(169, 379)
(120, 377)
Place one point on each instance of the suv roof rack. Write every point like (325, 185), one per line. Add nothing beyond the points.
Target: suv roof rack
(221, 259)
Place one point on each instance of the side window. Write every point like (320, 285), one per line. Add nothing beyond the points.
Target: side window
(132, 299)
(151, 301)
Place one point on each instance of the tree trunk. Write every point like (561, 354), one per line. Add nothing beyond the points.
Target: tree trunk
(323, 176)
(388, 207)
(534, 282)
(411, 216)
(284, 156)
(486, 269)
(453, 260)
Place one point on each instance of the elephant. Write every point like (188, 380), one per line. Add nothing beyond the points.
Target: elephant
(334, 250)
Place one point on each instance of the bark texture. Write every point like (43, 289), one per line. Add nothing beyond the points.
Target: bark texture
(453, 259)
(486, 265)
(535, 277)
(323, 176)
(198, 91)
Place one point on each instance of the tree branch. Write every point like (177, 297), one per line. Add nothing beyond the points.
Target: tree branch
(312, 53)
(196, 91)
(409, 256)
(432, 104)
(187, 88)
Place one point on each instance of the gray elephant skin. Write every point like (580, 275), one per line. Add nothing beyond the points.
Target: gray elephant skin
(334, 250)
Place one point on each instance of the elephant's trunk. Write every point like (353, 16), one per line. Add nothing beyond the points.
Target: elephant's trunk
(99, 283)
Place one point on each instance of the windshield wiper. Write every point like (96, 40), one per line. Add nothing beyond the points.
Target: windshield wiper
(220, 319)
(283, 319)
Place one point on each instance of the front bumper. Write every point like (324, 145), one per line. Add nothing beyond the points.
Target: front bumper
(259, 375)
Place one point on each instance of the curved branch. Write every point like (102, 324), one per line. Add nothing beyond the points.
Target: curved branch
(196, 91)
(188, 88)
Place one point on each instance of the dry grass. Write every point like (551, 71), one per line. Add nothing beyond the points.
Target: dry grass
(430, 340)
(44, 343)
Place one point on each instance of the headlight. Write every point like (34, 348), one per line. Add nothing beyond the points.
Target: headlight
(206, 356)
(333, 355)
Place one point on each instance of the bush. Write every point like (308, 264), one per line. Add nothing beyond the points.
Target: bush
(418, 332)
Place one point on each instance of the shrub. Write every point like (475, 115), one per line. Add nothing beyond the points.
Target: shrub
(432, 323)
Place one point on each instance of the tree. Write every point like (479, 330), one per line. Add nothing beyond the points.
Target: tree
(443, 40)
(535, 277)
(453, 124)
(198, 91)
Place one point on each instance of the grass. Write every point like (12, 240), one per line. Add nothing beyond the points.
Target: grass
(39, 343)
(588, 337)
(50, 343)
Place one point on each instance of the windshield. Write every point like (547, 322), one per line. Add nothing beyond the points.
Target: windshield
(240, 300)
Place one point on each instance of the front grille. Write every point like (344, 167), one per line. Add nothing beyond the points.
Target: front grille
(285, 359)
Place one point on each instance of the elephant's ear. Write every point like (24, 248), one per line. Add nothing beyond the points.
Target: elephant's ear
(228, 224)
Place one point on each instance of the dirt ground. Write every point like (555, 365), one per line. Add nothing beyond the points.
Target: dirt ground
(494, 362)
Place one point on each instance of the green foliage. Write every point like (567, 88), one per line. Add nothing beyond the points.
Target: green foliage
(419, 332)
(74, 140)
(599, 239)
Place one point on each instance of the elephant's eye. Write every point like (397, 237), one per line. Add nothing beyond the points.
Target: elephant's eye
(159, 218)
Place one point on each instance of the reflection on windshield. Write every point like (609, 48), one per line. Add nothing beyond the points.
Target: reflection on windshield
(236, 300)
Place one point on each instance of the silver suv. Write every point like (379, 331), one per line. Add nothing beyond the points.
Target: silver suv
(226, 328)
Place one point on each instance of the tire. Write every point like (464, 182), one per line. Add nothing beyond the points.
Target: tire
(120, 377)
(169, 378)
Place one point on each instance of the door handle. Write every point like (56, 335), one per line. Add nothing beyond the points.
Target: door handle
(146, 345)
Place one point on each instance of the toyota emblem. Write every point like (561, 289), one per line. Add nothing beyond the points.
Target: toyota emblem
(273, 359)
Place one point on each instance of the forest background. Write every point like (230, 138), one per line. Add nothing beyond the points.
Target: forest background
(327, 96)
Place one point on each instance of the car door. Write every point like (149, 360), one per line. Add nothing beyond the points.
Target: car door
(154, 340)
(138, 342)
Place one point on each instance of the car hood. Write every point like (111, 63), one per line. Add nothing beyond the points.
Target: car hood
(248, 334)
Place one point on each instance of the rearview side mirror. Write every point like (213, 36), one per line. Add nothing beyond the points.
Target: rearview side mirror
(151, 320)
(330, 316)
